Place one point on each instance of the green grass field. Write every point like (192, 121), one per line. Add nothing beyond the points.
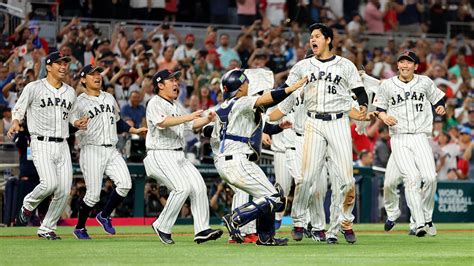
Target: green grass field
(137, 245)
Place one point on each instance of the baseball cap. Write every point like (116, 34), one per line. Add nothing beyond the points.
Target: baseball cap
(138, 28)
(56, 56)
(411, 56)
(89, 69)
(189, 36)
(163, 75)
(465, 130)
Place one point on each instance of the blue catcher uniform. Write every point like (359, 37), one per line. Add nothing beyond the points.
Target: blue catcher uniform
(237, 138)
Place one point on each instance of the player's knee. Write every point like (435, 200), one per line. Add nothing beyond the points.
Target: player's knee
(48, 188)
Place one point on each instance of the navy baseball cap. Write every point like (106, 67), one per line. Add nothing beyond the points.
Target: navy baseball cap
(162, 75)
(411, 56)
(89, 69)
(55, 57)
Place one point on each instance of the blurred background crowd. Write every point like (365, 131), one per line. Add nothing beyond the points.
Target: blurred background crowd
(133, 39)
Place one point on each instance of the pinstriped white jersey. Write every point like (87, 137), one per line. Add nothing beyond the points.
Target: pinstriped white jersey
(278, 140)
(48, 110)
(103, 113)
(164, 138)
(410, 103)
(329, 83)
(293, 105)
(241, 122)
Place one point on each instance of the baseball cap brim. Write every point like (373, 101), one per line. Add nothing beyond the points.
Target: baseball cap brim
(66, 59)
(409, 58)
(96, 68)
(176, 75)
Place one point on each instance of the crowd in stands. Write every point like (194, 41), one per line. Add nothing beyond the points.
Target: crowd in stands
(270, 37)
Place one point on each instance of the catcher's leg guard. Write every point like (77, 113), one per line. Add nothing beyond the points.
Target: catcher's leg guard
(253, 210)
(280, 206)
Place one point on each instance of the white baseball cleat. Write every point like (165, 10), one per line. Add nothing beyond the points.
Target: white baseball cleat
(431, 229)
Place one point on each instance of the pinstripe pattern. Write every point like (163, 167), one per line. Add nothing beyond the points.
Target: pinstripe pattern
(393, 177)
(334, 138)
(410, 103)
(97, 160)
(239, 199)
(324, 74)
(282, 175)
(410, 155)
(245, 175)
(103, 112)
(182, 179)
(53, 163)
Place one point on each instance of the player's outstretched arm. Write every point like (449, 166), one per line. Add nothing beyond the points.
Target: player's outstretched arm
(14, 128)
(138, 131)
(387, 119)
(278, 95)
(171, 121)
(200, 122)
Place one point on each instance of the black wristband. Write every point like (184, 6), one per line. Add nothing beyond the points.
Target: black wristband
(441, 102)
(278, 95)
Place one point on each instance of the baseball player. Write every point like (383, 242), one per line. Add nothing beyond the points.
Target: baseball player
(327, 96)
(49, 105)
(238, 134)
(294, 103)
(165, 160)
(404, 104)
(99, 154)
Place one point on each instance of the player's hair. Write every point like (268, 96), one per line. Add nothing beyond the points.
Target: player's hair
(363, 153)
(325, 30)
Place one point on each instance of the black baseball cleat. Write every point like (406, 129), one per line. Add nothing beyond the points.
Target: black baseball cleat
(24, 217)
(388, 225)
(234, 231)
(49, 235)
(318, 235)
(272, 242)
(297, 233)
(350, 236)
(208, 234)
(332, 240)
(165, 238)
(420, 231)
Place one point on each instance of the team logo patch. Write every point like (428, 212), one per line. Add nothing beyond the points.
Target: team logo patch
(242, 78)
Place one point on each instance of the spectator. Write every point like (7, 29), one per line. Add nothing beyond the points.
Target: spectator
(186, 52)
(468, 156)
(137, 37)
(461, 113)
(382, 148)
(373, 17)
(221, 199)
(6, 120)
(134, 109)
(219, 11)
(366, 159)
(390, 17)
(274, 11)
(448, 171)
(408, 15)
(277, 61)
(246, 11)
(171, 8)
(226, 54)
(364, 141)
(205, 101)
(167, 62)
(354, 27)
(244, 48)
(167, 34)
(438, 18)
